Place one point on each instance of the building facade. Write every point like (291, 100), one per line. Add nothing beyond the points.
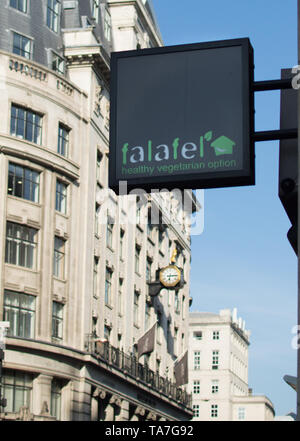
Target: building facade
(75, 259)
(218, 370)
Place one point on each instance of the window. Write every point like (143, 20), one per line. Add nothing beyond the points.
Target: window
(137, 259)
(175, 341)
(241, 413)
(53, 8)
(57, 320)
(196, 387)
(120, 297)
(215, 386)
(16, 387)
(216, 335)
(108, 280)
(214, 411)
(138, 213)
(169, 343)
(58, 63)
(19, 311)
(23, 182)
(196, 410)
(55, 407)
(21, 5)
(136, 298)
(107, 25)
(61, 197)
(215, 360)
(95, 277)
(59, 258)
(148, 269)
(109, 233)
(63, 140)
(147, 315)
(22, 46)
(196, 360)
(99, 159)
(95, 10)
(122, 234)
(197, 335)
(20, 245)
(159, 327)
(97, 216)
(26, 124)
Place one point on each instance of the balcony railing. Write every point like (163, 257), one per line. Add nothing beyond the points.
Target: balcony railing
(129, 365)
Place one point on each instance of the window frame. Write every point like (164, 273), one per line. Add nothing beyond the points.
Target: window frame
(53, 15)
(215, 359)
(61, 196)
(63, 140)
(137, 259)
(136, 306)
(109, 234)
(25, 388)
(56, 61)
(196, 387)
(215, 386)
(59, 257)
(196, 360)
(216, 335)
(20, 313)
(95, 9)
(24, 10)
(198, 337)
(55, 398)
(107, 25)
(19, 49)
(18, 249)
(196, 410)
(214, 411)
(57, 320)
(19, 126)
(108, 286)
(34, 185)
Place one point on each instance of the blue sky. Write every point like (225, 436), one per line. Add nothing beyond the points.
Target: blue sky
(243, 259)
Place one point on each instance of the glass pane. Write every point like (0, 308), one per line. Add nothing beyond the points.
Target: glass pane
(10, 185)
(20, 123)
(20, 398)
(16, 44)
(29, 131)
(8, 394)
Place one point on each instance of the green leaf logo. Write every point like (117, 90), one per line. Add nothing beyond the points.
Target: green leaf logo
(208, 136)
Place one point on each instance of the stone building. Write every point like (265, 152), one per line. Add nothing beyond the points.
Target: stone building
(218, 370)
(74, 258)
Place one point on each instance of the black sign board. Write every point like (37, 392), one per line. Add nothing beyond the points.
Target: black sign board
(182, 116)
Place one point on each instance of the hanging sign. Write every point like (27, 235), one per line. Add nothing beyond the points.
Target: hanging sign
(182, 116)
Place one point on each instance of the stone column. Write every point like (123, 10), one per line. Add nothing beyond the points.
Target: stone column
(41, 395)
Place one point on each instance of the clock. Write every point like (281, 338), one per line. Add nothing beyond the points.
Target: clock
(170, 276)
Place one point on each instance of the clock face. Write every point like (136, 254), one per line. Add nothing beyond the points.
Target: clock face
(170, 275)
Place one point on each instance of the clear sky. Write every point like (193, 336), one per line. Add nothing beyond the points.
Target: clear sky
(243, 258)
